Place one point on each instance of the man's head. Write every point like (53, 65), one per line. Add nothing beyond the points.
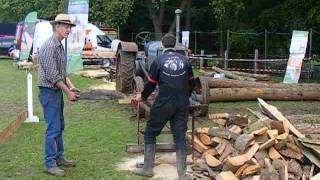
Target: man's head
(62, 25)
(168, 40)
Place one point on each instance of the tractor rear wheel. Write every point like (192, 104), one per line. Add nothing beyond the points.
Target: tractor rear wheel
(125, 70)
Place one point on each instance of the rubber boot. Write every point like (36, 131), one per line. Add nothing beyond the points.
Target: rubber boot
(181, 156)
(149, 155)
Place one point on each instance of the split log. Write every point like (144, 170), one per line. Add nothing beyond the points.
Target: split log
(220, 148)
(268, 144)
(314, 147)
(316, 177)
(295, 168)
(217, 140)
(278, 125)
(238, 120)
(275, 114)
(287, 152)
(205, 139)
(269, 173)
(241, 159)
(202, 130)
(198, 145)
(261, 138)
(311, 170)
(283, 172)
(211, 151)
(220, 122)
(258, 114)
(228, 150)
(256, 126)
(260, 156)
(243, 141)
(212, 161)
(274, 154)
(218, 115)
(251, 169)
(272, 133)
(305, 151)
(241, 94)
(240, 170)
(223, 133)
(278, 163)
(226, 175)
(235, 129)
(261, 131)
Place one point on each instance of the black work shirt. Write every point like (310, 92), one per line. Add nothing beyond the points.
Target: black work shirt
(172, 72)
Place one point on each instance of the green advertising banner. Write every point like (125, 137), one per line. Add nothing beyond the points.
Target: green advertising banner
(78, 12)
(298, 48)
(29, 26)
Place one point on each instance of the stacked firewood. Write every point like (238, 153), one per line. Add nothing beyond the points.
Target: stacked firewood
(268, 148)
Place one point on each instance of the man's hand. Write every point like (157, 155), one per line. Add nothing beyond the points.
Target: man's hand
(138, 97)
(72, 96)
(74, 89)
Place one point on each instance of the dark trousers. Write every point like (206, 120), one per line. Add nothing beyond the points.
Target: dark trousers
(52, 104)
(162, 111)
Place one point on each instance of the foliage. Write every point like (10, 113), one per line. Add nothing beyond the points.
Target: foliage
(111, 12)
(16, 10)
(226, 11)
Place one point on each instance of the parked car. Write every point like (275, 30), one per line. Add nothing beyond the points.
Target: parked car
(6, 42)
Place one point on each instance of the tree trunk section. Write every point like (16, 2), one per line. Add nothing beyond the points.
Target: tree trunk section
(231, 83)
(241, 94)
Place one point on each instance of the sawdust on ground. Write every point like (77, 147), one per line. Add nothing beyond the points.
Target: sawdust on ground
(164, 162)
(106, 86)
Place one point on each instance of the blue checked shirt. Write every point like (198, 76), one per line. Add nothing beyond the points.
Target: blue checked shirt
(52, 64)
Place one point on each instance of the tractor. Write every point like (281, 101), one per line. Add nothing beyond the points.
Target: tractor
(132, 67)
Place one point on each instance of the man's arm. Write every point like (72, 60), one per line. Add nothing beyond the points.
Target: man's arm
(72, 96)
(71, 86)
(152, 80)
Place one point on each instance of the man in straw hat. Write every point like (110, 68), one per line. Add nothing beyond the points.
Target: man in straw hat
(52, 81)
(172, 72)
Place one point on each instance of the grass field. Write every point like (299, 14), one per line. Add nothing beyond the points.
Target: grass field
(96, 131)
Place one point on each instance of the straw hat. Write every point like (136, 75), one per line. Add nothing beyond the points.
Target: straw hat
(62, 18)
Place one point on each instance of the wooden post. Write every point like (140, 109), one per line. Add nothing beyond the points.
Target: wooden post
(225, 59)
(256, 57)
(265, 47)
(221, 43)
(195, 42)
(201, 59)
(228, 40)
(310, 54)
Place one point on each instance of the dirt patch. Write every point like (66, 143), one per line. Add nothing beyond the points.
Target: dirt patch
(164, 162)
(106, 86)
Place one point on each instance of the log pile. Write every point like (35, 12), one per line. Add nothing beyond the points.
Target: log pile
(238, 86)
(270, 148)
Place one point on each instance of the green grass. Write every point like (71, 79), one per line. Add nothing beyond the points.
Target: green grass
(96, 131)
